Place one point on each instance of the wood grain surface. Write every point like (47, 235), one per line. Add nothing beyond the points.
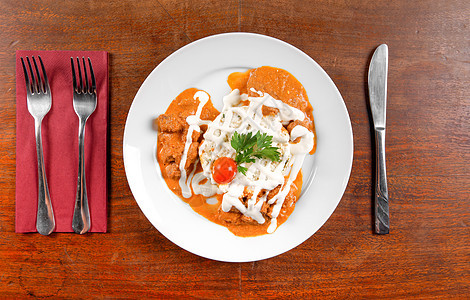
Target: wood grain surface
(427, 253)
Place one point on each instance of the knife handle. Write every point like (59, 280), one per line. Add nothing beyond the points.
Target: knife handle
(382, 225)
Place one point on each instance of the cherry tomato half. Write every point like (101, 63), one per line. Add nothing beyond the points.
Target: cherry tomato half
(224, 170)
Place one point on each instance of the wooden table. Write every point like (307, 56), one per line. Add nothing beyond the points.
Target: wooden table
(427, 253)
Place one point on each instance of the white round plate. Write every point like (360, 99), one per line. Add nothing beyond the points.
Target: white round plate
(205, 64)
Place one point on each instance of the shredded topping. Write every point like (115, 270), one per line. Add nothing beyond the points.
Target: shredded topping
(259, 172)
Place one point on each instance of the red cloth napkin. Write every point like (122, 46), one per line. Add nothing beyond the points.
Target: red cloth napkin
(60, 144)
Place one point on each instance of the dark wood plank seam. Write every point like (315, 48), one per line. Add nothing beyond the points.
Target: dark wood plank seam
(171, 17)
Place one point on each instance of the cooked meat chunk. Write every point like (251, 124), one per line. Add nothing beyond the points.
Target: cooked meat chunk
(195, 136)
(247, 194)
(273, 193)
(168, 138)
(229, 217)
(269, 111)
(266, 209)
(289, 200)
(248, 220)
(170, 123)
(173, 171)
(234, 217)
(307, 123)
(192, 154)
(278, 83)
(172, 138)
(171, 153)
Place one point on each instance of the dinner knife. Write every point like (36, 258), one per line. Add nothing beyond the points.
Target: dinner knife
(378, 103)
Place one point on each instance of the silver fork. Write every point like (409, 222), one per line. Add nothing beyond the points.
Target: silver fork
(84, 104)
(38, 95)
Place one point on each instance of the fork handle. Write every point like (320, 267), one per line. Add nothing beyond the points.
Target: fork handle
(45, 222)
(81, 214)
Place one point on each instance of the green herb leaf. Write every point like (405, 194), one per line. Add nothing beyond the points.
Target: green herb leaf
(242, 169)
(249, 147)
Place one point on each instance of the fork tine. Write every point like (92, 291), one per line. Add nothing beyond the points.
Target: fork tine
(47, 88)
(80, 88)
(40, 84)
(93, 83)
(26, 77)
(34, 87)
(86, 76)
(73, 76)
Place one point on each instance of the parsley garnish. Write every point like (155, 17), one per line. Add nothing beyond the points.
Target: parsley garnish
(249, 146)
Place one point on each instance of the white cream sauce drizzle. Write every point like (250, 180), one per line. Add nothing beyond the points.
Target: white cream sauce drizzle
(206, 189)
(262, 174)
(194, 122)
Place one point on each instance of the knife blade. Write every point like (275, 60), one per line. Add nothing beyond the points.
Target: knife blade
(377, 81)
